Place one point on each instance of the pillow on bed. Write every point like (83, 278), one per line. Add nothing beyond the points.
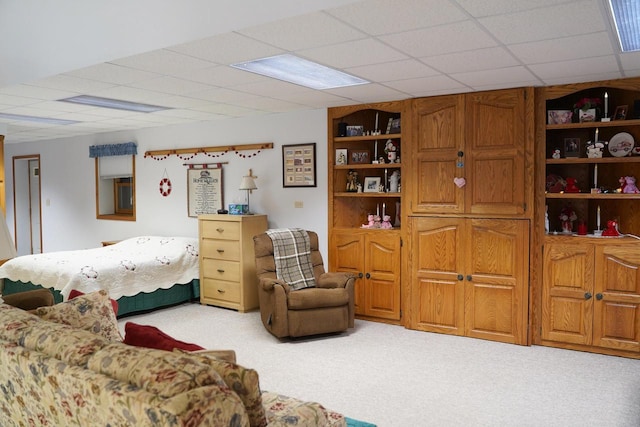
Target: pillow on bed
(92, 312)
(75, 293)
(152, 337)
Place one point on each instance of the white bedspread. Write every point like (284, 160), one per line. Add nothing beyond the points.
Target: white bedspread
(139, 264)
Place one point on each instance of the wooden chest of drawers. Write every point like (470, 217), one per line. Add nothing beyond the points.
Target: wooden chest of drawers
(227, 262)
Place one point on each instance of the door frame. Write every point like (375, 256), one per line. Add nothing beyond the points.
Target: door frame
(28, 158)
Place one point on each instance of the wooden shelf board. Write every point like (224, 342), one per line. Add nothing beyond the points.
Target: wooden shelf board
(610, 196)
(368, 137)
(348, 194)
(370, 166)
(593, 125)
(584, 160)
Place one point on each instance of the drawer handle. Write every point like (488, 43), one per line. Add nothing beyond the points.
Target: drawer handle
(220, 270)
(221, 291)
(219, 230)
(220, 251)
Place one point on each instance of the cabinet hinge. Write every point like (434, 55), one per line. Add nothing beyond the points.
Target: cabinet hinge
(401, 243)
(524, 206)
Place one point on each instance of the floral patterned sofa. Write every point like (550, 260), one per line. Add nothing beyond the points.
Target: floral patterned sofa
(66, 365)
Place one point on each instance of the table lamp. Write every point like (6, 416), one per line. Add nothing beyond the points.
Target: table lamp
(248, 184)
(7, 247)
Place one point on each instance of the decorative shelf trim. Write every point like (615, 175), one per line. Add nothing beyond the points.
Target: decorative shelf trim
(183, 151)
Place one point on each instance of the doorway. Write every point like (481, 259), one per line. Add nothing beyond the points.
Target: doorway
(26, 204)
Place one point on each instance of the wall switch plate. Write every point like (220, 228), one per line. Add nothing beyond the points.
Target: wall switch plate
(298, 204)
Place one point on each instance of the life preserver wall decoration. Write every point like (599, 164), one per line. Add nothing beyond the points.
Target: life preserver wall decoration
(165, 187)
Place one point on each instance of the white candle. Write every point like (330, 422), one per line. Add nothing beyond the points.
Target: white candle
(606, 105)
(375, 156)
(596, 135)
(378, 211)
(376, 128)
(384, 208)
(598, 218)
(595, 176)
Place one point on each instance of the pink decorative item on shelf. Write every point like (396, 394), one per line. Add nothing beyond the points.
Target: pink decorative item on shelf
(386, 222)
(630, 185)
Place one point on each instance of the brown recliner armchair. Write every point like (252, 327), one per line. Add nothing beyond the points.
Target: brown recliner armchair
(30, 300)
(326, 308)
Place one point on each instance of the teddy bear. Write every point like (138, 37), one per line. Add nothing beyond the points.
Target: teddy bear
(630, 185)
(571, 186)
(386, 222)
(370, 223)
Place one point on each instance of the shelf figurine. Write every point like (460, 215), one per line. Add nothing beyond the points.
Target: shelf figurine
(567, 216)
(391, 150)
(393, 181)
(630, 185)
(594, 150)
(556, 154)
(571, 186)
(386, 222)
(352, 181)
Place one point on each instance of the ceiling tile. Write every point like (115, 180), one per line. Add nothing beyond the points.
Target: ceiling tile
(221, 76)
(369, 93)
(222, 95)
(576, 67)
(476, 60)
(36, 93)
(422, 86)
(172, 85)
(15, 100)
(387, 72)
(379, 17)
(630, 61)
(226, 49)
(112, 73)
(353, 54)
(501, 76)
(500, 7)
(457, 37)
(304, 32)
(163, 61)
(127, 93)
(585, 78)
(574, 47)
(274, 88)
(552, 22)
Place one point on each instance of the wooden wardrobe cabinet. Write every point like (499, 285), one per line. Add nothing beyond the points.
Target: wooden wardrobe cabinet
(479, 137)
(591, 295)
(469, 276)
(374, 257)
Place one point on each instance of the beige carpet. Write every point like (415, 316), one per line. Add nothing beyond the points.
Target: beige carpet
(392, 376)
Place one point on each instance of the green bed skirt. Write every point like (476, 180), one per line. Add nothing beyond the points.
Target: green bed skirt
(127, 305)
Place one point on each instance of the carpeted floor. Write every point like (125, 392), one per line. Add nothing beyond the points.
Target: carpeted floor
(391, 376)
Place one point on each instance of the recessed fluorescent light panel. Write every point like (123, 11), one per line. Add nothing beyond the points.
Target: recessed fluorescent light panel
(626, 15)
(296, 70)
(46, 120)
(117, 104)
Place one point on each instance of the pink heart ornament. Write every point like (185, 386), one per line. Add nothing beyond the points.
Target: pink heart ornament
(460, 182)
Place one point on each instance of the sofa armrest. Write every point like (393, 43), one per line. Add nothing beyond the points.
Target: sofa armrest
(269, 284)
(30, 300)
(334, 280)
(226, 355)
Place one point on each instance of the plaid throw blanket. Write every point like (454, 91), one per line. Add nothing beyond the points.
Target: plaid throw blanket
(292, 255)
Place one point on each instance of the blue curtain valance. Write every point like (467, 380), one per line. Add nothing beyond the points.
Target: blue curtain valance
(125, 149)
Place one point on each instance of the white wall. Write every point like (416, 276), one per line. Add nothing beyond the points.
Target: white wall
(68, 184)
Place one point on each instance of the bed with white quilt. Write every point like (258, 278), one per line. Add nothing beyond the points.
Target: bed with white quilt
(141, 273)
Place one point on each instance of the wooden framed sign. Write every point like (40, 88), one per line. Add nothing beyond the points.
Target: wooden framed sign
(204, 190)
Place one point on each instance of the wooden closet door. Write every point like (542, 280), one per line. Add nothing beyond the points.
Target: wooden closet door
(495, 152)
(437, 139)
(616, 311)
(567, 303)
(348, 249)
(382, 275)
(496, 280)
(437, 290)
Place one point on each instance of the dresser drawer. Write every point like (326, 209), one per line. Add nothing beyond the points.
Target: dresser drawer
(220, 230)
(221, 249)
(221, 290)
(221, 270)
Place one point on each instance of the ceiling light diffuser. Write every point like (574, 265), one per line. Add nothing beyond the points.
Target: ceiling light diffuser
(293, 69)
(626, 15)
(116, 104)
(46, 120)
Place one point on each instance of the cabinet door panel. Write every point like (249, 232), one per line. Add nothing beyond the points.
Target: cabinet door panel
(568, 276)
(348, 248)
(382, 264)
(496, 279)
(495, 147)
(437, 295)
(617, 314)
(438, 138)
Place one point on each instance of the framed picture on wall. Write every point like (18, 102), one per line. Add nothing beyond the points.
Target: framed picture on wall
(299, 165)
(204, 187)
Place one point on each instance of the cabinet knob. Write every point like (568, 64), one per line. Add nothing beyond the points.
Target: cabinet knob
(469, 278)
(599, 296)
(368, 276)
(460, 153)
(587, 295)
(460, 277)
(360, 275)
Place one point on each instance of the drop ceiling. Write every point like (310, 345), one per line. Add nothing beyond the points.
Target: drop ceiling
(177, 55)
